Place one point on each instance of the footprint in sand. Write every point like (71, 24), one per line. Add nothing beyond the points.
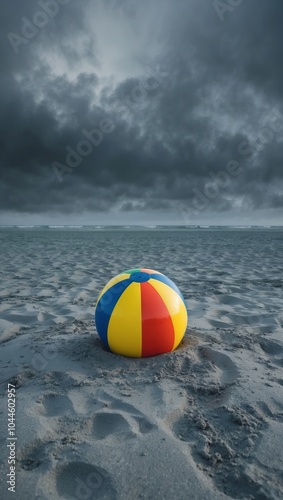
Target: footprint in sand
(109, 423)
(112, 419)
(273, 349)
(267, 413)
(216, 374)
(35, 455)
(55, 405)
(229, 370)
(106, 424)
(81, 481)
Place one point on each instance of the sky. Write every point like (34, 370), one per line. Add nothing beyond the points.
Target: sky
(126, 112)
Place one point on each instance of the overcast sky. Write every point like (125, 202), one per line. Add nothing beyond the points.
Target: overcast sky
(154, 112)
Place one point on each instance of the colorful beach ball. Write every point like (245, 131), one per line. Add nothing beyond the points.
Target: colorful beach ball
(141, 313)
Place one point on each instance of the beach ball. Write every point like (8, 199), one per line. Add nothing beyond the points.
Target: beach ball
(141, 313)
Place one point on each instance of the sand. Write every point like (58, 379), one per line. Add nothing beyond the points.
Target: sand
(203, 422)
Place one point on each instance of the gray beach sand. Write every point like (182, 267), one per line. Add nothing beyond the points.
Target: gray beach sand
(203, 422)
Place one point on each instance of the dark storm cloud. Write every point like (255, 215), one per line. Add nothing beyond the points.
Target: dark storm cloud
(207, 97)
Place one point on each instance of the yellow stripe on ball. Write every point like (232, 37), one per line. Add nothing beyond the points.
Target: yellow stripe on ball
(129, 325)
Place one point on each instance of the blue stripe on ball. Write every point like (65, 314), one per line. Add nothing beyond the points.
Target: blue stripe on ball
(105, 307)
